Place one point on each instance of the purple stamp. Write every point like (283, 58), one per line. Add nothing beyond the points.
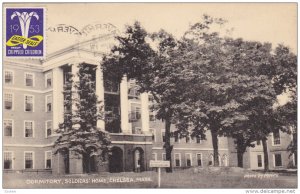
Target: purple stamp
(25, 34)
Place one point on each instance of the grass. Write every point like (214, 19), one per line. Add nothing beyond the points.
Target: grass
(178, 179)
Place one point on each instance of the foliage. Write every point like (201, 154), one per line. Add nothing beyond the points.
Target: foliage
(78, 132)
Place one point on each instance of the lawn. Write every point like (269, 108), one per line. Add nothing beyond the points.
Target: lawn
(189, 178)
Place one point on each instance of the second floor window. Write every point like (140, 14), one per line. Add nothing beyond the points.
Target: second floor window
(29, 103)
(163, 136)
(276, 137)
(29, 79)
(8, 128)
(49, 128)
(28, 129)
(9, 77)
(8, 101)
(48, 103)
(48, 81)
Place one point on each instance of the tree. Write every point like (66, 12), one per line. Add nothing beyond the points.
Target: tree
(153, 70)
(78, 132)
(228, 91)
(204, 104)
(285, 83)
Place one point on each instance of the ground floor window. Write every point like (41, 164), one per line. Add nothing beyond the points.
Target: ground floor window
(199, 159)
(154, 156)
(211, 160)
(224, 161)
(188, 159)
(177, 160)
(277, 160)
(28, 160)
(259, 161)
(164, 157)
(48, 159)
(7, 160)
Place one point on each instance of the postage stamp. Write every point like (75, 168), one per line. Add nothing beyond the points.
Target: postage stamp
(25, 34)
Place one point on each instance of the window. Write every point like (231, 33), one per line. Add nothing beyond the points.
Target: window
(164, 157)
(198, 139)
(278, 160)
(48, 103)
(211, 160)
(276, 137)
(28, 160)
(176, 138)
(188, 158)
(154, 156)
(48, 128)
(135, 114)
(8, 158)
(188, 139)
(152, 116)
(259, 161)
(8, 127)
(177, 160)
(163, 136)
(153, 134)
(28, 128)
(48, 159)
(258, 143)
(111, 86)
(224, 160)
(8, 101)
(48, 80)
(29, 79)
(137, 130)
(9, 77)
(133, 90)
(28, 103)
(199, 159)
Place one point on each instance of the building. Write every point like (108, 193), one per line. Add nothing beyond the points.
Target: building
(33, 108)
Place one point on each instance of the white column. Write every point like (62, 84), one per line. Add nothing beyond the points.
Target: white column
(58, 98)
(145, 112)
(74, 70)
(100, 94)
(124, 106)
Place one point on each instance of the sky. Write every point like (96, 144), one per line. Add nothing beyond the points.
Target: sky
(266, 22)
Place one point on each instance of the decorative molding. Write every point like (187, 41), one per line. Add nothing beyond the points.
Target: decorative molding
(132, 142)
(28, 145)
(190, 149)
(28, 90)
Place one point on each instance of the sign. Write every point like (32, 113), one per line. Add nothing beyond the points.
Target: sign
(159, 163)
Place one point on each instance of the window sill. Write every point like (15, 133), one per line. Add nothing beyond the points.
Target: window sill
(277, 145)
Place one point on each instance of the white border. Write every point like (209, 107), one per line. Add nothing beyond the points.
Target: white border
(33, 163)
(24, 129)
(33, 104)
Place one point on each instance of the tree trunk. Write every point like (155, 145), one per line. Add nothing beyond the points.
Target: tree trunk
(240, 151)
(214, 136)
(266, 157)
(167, 145)
(240, 159)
